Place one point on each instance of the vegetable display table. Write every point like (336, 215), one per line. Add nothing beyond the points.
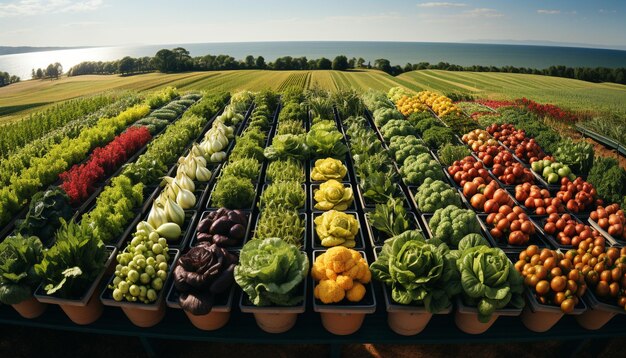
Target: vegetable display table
(309, 330)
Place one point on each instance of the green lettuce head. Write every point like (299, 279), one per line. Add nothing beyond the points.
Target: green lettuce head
(270, 272)
(418, 272)
(489, 280)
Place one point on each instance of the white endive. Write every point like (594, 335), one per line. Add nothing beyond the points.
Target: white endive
(174, 212)
(203, 174)
(157, 215)
(185, 199)
(184, 181)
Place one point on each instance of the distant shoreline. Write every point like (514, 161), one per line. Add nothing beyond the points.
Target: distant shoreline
(14, 50)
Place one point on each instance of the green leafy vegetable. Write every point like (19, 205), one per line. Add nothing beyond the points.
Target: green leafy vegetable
(324, 140)
(427, 123)
(70, 266)
(287, 146)
(489, 280)
(282, 223)
(397, 127)
(418, 272)
(271, 272)
(378, 187)
(608, 178)
(436, 137)
(44, 214)
(233, 193)
(290, 127)
(450, 153)
(18, 257)
(248, 168)
(285, 194)
(576, 155)
(390, 218)
(285, 170)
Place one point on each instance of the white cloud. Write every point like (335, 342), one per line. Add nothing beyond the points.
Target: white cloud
(83, 24)
(38, 7)
(441, 4)
(605, 11)
(548, 12)
(482, 12)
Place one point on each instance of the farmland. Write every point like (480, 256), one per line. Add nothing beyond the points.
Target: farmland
(22, 98)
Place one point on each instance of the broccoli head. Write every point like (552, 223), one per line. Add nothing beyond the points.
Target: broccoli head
(397, 127)
(435, 194)
(451, 224)
(417, 168)
(403, 146)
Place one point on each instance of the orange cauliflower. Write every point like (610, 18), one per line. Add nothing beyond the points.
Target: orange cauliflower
(341, 273)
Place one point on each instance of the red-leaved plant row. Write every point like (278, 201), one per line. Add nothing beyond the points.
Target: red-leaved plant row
(495, 104)
(78, 182)
(548, 110)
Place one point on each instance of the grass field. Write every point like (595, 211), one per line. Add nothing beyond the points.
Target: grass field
(19, 99)
(568, 93)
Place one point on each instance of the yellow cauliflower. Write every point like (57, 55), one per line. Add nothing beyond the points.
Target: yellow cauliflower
(328, 291)
(333, 195)
(356, 293)
(340, 269)
(328, 168)
(335, 228)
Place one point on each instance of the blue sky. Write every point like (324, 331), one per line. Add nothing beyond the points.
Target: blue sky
(117, 22)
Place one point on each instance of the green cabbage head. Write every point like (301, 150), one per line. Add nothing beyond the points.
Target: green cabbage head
(418, 272)
(489, 280)
(270, 272)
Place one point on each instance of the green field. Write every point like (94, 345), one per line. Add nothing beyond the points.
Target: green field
(19, 99)
(568, 93)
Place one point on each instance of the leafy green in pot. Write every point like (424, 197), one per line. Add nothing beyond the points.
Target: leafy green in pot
(287, 195)
(450, 153)
(325, 140)
(390, 218)
(70, 266)
(577, 155)
(287, 146)
(286, 170)
(451, 224)
(18, 278)
(418, 272)
(489, 279)
(248, 168)
(271, 272)
(435, 194)
(233, 193)
(44, 214)
(284, 224)
(378, 187)
(295, 127)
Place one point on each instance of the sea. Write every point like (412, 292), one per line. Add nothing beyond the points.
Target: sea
(398, 53)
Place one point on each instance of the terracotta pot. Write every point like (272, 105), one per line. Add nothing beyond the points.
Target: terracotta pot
(594, 319)
(469, 323)
(408, 323)
(540, 321)
(142, 317)
(275, 322)
(30, 308)
(342, 323)
(210, 321)
(84, 314)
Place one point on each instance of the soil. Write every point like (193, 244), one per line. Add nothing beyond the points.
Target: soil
(35, 342)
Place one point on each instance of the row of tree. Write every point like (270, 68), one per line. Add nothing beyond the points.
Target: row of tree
(54, 70)
(6, 79)
(180, 60)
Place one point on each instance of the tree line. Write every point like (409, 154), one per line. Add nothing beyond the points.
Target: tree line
(6, 79)
(180, 60)
(54, 70)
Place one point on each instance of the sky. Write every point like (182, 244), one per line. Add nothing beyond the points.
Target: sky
(118, 22)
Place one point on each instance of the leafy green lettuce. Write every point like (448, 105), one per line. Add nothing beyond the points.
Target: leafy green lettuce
(18, 279)
(270, 272)
(418, 272)
(488, 278)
